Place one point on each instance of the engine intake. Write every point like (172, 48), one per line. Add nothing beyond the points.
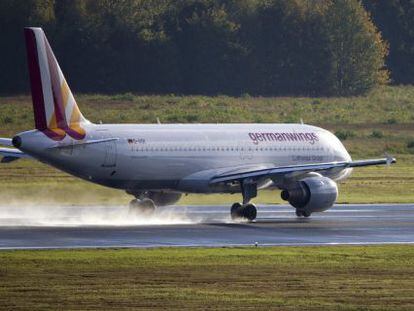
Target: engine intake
(313, 194)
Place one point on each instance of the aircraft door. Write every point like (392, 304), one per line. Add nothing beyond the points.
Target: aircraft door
(110, 154)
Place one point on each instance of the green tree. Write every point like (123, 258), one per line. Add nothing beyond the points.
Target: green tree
(208, 47)
(14, 16)
(356, 47)
(395, 20)
(289, 49)
(261, 47)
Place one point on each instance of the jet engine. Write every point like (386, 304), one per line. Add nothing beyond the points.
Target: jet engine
(164, 198)
(311, 194)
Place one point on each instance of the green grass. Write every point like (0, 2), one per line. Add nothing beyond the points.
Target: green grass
(278, 278)
(382, 121)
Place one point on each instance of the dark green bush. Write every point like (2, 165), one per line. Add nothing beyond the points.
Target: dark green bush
(377, 134)
(392, 121)
(344, 134)
(7, 120)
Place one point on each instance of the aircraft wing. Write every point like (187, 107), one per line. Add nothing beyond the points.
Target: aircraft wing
(292, 170)
(6, 142)
(12, 154)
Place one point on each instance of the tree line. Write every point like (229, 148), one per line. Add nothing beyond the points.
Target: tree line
(235, 47)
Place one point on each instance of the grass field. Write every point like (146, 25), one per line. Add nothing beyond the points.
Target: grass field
(294, 278)
(382, 121)
(279, 278)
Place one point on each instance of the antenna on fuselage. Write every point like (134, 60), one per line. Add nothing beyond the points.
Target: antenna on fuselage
(158, 121)
(301, 121)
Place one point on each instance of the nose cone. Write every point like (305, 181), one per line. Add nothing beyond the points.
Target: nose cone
(339, 151)
(17, 142)
(343, 153)
(340, 154)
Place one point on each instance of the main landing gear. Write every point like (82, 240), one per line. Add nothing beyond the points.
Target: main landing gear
(246, 211)
(302, 213)
(144, 207)
(243, 211)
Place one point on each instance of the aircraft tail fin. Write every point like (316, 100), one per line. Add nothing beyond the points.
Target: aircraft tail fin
(55, 110)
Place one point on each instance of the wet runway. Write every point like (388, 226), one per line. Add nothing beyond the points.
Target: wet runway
(94, 226)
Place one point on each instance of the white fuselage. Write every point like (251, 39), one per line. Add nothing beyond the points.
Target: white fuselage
(183, 157)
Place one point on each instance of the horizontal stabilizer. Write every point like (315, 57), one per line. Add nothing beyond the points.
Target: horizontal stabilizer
(8, 159)
(6, 142)
(11, 154)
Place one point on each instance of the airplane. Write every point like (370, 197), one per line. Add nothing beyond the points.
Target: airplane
(157, 163)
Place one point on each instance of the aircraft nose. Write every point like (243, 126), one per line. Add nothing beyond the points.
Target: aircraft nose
(17, 141)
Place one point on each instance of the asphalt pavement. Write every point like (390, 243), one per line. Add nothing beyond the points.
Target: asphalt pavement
(35, 227)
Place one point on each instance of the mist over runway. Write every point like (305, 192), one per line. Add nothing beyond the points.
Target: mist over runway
(103, 226)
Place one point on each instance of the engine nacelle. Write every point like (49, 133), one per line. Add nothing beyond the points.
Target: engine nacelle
(313, 194)
(164, 198)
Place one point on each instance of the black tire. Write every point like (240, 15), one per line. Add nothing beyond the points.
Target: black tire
(134, 206)
(143, 207)
(235, 211)
(147, 206)
(133, 210)
(299, 213)
(249, 212)
(306, 213)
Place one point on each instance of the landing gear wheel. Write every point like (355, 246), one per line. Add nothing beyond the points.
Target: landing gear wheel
(302, 213)
(246, 211)
(235, 211)
(306, 214)
(250, 212)
(135, 203)
(143, 207)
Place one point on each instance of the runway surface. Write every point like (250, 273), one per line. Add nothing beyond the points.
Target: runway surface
(94, 226)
